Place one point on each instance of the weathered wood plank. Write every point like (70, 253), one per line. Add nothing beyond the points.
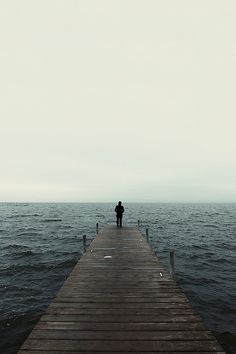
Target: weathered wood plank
(122, 318)
(121, 335)
(120, 299)
(112, 293)
(119, 326)
(130, 305)
(113, 352)
(122, 345)
(118, 311)
(127, 283)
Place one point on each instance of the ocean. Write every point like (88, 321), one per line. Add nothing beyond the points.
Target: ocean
(41, 243)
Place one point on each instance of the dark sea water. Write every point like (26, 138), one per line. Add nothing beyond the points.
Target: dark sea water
(40, 244)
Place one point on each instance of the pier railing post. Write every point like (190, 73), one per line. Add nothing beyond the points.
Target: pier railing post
(84, 243)
(147, 235)
(97, 228)
(172, 264)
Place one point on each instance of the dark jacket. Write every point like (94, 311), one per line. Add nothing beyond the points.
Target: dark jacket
(119, 209)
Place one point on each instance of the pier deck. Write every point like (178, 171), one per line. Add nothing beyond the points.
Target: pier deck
(118, 299)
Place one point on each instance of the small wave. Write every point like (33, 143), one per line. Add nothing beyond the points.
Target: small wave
(209, 254)
(224, 246)
(12, 269)
(221, 260)
(60, 253)
(22, 216)
(214, 214)
(199, 246)
(9, 287)
(194, 256)
(28, 228)
(177, 223)
(14, 246)
(100, 216)
(52, 220)
(66, 227)
(65, 264)
(18, 251)
(29, 234)
(206, 281)
(195, 215)
(22, 254)
(211, 225)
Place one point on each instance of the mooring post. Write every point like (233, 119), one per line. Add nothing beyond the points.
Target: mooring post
(84, 243)
(147, 235)
(97, 228)
(172, 264)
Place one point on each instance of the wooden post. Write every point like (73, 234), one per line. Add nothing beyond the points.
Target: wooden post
(97, 228)
(147, 235)
(172, 264)
(84, 243)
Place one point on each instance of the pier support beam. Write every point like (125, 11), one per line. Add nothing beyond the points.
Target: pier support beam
(147, 235)
(84, 243)
(172, 264)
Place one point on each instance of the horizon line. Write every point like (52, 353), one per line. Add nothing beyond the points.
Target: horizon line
(111, 202)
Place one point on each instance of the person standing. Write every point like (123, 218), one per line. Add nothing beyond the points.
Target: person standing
(119, 209)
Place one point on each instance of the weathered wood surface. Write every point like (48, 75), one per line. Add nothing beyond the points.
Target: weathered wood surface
(118, 299)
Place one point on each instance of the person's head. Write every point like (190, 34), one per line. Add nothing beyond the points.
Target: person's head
(119, 203)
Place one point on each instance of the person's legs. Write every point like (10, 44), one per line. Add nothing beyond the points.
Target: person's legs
(121, 221)
(117, 220)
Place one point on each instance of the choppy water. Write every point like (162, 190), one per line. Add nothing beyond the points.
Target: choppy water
(40, 243)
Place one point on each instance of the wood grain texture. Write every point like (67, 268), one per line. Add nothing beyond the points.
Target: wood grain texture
(118, 299)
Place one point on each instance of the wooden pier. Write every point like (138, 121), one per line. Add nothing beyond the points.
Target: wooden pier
(118, 299)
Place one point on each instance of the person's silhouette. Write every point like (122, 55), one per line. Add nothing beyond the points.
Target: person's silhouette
(119, 209)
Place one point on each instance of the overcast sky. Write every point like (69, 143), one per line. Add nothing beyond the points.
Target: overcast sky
(106, 100)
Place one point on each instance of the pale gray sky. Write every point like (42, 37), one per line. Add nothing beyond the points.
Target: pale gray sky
(103, 100)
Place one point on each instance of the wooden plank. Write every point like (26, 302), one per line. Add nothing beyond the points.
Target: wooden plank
(118, 311)
(118, 299)
(121, 295)
(123, 284)
(159, 291)
(122, 345)
(120, 335)
(121, 318)
(119, 326)
(131, 305)
(113, 352)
